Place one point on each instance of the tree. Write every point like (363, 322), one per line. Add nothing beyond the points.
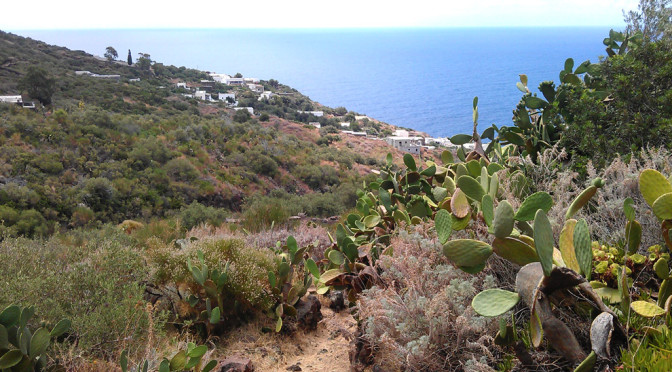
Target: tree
(130, 59)
(144, 61)
(238, 75)
(653, 18)
(274, 83)
(111, 53)
(38, 84)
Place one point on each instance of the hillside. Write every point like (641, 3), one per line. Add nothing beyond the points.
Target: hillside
(108, 150)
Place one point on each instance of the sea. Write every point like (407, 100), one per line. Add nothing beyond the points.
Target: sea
(424, 79)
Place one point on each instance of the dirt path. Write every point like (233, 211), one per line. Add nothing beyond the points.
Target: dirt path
(325, 349)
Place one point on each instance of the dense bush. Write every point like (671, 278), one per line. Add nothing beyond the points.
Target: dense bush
(637, 113)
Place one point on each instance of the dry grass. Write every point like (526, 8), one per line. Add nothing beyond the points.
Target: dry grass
(604, 213)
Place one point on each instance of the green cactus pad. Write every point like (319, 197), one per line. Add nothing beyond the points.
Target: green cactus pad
(494, 168)
(503, 223)
(539, 200)
(473, 269)
(515, 250)
(662, 269)
(581, 200)
(461, 223)
(459, 204)
(461, 170)
(567, 245)
(488, 209)
(633, 234)
(664, 292)
(443, 223)
(494, 186)
(588, 364)
(662, 207)
(474, 168)
(536, 331)
(10, 315)
(447, 157)
(582, 247)
(543, 241)
(484, 179)
(439, 193)
(494, 302)
(449, 184)
(467, 252)
(460, 139)
(629, 209)
(652, 184)
(612, 295)
(647, 309)
(371, 221)
(410, 162)
(471, 188)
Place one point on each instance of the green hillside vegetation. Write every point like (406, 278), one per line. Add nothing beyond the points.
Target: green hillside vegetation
(546, 250)
(107, 151)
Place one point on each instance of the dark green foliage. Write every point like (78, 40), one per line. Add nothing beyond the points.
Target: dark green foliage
(196, 214)
(38, 84)
(241, 116)
(638, 112)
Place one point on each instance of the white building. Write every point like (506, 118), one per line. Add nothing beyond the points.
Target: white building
(251, 80)
(181, 85)
(400, 133)
(344, 124)
(319, 114)
(233, 81)
(257, 88)
(266, 94)
(136, 80)
(11, 99)
(249, 109)
(406, 144)
(224, 96)
(203, 95)
(361, 117)
(316, 124)
(358, 134)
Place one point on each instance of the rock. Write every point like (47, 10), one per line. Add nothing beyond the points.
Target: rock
(294, 367)
(308, 312)
(235, 364)
(337, 301)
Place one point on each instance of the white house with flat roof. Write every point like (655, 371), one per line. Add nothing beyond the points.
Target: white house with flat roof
(251, 80)
(257, 88)
(265, 94)
(249, 109)
(11, 99)
(406, 144)
(203, 95)
(316, 124)
(319, 114)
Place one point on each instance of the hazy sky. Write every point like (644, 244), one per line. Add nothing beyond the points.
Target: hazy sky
(78, 14)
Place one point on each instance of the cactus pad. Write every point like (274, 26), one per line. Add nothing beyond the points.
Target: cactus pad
(580, 201)
(503, 219)
(652, 184)
(459, 204)
(582, 247)
(539, 200)
(471, 188)
(488, 209)
(494, 302)
(543, 241)
(662, 207)
(567, 245)
(515, 250)
(647, 309)
(467, 252)
(443, 223)
(633, 234)
(661, 268)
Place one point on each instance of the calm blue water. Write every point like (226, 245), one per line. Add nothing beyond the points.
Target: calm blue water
(424, 79)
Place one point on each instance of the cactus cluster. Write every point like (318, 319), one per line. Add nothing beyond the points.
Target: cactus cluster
(23, 350)
(284, 288)
(190, 359)
(211, 285)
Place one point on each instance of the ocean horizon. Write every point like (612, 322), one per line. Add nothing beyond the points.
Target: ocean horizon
(420, 78)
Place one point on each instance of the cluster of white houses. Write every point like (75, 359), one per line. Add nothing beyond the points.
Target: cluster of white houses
(98, 76)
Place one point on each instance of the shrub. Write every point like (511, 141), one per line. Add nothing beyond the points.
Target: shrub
(196, 214)
(92, 278)
(421, 318)
(181, 169)
(248, 267)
